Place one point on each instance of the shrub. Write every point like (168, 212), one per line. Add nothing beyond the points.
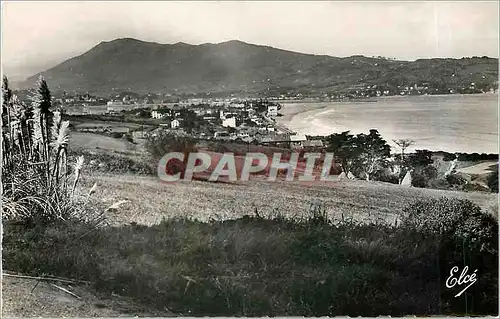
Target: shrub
(449, 157)
(114, 163)
(421, 176)
(163, 143)
(459, 219)
(258, 266)
(475, 187)
(462, 235)
(438, 183)
(456, 180)
(493, 180)
(418, 180)
(385, 175)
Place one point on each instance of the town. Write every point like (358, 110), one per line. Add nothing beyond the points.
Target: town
(249, 121)
(227, 117)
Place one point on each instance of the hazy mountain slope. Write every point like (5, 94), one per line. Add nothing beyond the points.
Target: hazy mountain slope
(129, 64)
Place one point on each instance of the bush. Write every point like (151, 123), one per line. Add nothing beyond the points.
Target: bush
(164, 143)
(456, 180)
(493, 180)
(475, 187)
(253, 266)
(459, 219)
(257, 266)
(383, 176)
(114, 163)
(463, 236)
(438, 183)
(421, 176)
(449, 157)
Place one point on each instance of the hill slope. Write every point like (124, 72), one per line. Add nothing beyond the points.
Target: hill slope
(149, 200)
(130, 64)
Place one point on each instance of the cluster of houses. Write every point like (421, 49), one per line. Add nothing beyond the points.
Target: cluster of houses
(230, 114)
(78, 99)
(249, 121)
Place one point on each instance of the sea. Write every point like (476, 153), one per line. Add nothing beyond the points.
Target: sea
(451, 123)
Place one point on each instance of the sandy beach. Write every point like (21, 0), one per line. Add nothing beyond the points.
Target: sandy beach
(454, 123)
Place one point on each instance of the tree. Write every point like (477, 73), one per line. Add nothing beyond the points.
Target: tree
(420, 158)
(44, 101)
(403, 145)
(190, 122)
(421, 167)
(7, 95)
(374, 152)
(344, 147)
(362, 154)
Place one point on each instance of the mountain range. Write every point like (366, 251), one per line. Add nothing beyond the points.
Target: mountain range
(132, 65)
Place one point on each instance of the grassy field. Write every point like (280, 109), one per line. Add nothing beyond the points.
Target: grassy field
(97, 141)
(257, 266)
(149, 200)
(266, 251)
(486, 167)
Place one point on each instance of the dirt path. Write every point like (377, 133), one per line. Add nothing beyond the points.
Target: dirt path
(25, 298)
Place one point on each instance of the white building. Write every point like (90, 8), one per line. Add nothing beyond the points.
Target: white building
(114, 103)
(272, 110)
(157, 115)
(174, 124)
(297, 140)
(229, 122)
(194, 101)
(115, 108)
(139, 134)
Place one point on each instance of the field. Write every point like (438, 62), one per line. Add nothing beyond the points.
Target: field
(281, 259)
(21, 300)
(478, 169)
(151, 261)
(149, 200)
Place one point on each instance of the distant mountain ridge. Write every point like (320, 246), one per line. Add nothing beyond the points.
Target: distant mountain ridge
(128, 64)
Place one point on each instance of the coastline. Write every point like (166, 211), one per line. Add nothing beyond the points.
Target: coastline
(451, 127)
(378, 98)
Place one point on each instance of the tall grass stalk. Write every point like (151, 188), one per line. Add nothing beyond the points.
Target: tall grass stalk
(37, 184)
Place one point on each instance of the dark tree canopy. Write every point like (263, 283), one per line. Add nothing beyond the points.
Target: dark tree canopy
(363, 154)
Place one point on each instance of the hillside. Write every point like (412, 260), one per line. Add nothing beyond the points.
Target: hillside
(235, 66)
(148, 200)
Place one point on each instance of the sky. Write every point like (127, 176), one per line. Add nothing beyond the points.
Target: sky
(39, 35)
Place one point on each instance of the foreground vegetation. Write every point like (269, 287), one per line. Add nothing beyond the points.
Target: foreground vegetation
(257, 266)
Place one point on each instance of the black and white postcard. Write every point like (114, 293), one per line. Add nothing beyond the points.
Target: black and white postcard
(249, 159)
